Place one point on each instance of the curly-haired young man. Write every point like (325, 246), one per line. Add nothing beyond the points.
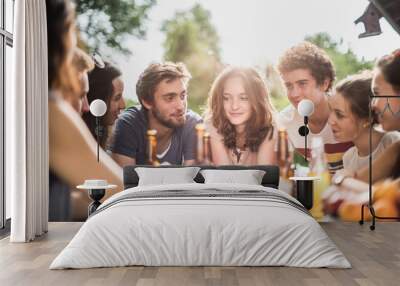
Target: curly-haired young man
(308, 73)
(162, 92)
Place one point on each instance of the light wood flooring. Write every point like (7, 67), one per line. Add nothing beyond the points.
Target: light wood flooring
(374, 255)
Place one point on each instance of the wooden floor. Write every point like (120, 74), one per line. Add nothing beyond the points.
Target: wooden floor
(375, 257)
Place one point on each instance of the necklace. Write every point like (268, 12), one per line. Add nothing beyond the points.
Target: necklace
(238, 152)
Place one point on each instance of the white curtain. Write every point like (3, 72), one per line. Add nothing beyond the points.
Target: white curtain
(27, 124)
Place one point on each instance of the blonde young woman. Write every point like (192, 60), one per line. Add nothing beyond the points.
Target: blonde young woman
(239, 119)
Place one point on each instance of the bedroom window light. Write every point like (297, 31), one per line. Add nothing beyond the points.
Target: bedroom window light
(8, 73)
(9, 13)
(6, 64)
(2, 195)
(2, 41)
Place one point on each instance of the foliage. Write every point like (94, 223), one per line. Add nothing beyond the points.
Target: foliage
(130, 102)
(346, 63)
(193, 40)
(276, 88)
(105, 23)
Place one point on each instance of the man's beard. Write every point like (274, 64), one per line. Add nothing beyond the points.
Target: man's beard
(167, 123)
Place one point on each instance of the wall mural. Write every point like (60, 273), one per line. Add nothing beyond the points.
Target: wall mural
(310, 113)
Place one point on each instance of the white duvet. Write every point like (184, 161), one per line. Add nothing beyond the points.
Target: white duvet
(183, 231)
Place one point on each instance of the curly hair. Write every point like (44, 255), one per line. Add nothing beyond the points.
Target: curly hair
(390, 67)
(156, 73)
(308, 56)
(259, 125)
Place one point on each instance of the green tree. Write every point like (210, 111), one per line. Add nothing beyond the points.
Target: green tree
(276, 88)
(192, 39)
(131, 102)
(346, 63)
(107, 23)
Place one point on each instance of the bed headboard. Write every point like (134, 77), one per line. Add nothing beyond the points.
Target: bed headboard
(270, 179)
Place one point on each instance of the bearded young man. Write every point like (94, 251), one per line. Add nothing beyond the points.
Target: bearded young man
(162, 92)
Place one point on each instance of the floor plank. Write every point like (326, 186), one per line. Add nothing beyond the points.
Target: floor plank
(375, 257)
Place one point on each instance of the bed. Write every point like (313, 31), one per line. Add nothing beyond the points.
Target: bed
(201, 224)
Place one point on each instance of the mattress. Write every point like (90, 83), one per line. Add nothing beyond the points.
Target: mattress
(201, 225)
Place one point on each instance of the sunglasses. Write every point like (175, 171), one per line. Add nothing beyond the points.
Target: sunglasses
(387, 105)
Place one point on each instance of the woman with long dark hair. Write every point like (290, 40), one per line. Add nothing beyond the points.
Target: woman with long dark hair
(61, 38)
(349, 120)
(386, 104)
(72, 149)
(386, 82)
(105, 83)
(386, 166)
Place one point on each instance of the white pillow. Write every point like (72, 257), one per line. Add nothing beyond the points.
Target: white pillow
(248, 177)
(163, 176)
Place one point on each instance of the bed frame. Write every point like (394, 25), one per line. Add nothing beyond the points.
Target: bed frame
(270, 179)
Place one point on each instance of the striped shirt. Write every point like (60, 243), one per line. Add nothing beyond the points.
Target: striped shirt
(334, 150)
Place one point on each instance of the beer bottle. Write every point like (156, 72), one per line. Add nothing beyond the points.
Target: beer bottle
(200, 129)
(207, 149)
(152, 147)
(318, 167)
(283, 154)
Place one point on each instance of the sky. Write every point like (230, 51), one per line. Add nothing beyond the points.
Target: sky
(256, 32)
